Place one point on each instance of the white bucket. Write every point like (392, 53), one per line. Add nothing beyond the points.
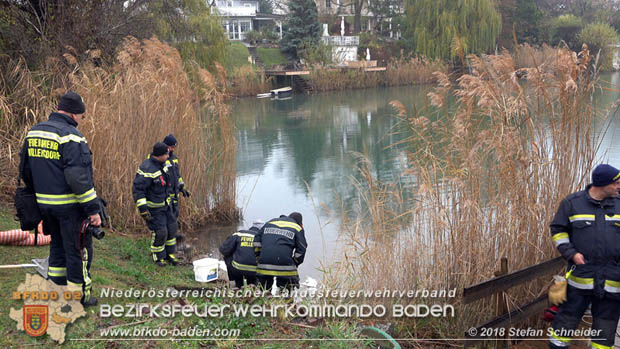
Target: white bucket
(205, 269)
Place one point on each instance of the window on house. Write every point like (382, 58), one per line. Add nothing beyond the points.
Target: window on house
(328, 3)
(247, 5)
(245, 26)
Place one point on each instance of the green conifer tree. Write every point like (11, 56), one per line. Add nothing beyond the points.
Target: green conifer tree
(303, 28)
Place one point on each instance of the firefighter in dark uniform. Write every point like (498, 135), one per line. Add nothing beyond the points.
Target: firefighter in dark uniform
(280, 246)
(586, 231)
(58, 166)
(173, 169)
(238, 252)
(151, 189)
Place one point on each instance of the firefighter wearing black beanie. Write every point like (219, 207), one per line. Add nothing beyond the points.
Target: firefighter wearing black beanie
(586, 232)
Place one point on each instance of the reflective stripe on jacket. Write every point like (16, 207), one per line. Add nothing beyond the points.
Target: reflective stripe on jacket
(281, 246)
(151, 185)
(240, 246)
(59, 165)
(592, 228)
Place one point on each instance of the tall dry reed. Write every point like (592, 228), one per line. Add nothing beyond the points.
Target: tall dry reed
(527, 56)
(147, 94)
(489, 172)
(398, 72)
(408, 71)
(245, 81)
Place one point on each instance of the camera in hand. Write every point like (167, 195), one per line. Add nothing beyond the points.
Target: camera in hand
(97, 232)
(87, 228)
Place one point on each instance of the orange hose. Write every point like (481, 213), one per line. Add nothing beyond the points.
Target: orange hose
(18, 237)
(13, 236)
(29, 241)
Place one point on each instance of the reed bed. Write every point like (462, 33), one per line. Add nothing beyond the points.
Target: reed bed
(490, 170)
(399, 72)
(527, 56)
(246, 81)
(417, 70)
(131, 104)
(334, 79)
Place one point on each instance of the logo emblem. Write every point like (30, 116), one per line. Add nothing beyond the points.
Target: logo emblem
(36, 319)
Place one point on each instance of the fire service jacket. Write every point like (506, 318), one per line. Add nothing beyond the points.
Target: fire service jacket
(240, 246)
(152, 186)
(58, 153)
(592, 228)
(280, 246)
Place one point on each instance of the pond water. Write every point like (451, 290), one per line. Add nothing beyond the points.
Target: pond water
(300, 155)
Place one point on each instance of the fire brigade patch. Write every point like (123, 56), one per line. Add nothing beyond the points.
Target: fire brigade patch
(36, 319)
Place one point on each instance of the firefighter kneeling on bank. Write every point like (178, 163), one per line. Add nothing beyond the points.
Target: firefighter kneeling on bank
(238, 252)
(280, 246)
(151, 191)
(586, 231)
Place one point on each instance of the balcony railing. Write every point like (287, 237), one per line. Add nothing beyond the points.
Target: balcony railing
(341, 40)
(235, 11)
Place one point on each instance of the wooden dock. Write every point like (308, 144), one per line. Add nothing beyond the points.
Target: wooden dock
(375, 69)
(286, 72)
(307, 72)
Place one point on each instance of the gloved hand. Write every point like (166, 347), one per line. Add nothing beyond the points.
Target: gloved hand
(185, 192)
(557, 291)
(146, 215)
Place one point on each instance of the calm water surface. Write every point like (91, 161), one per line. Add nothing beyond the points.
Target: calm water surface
(300, 155)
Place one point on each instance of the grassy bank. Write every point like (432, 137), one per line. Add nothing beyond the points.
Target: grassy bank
(271, 56)
(131, 103)
(123, 262)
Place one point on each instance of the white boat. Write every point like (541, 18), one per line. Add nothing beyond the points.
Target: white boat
(282, 92)
(263, 95)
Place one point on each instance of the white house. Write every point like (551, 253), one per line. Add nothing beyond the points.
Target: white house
(241, 16)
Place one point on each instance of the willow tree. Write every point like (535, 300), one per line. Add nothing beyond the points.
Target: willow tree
(451, 28)
(600, 37)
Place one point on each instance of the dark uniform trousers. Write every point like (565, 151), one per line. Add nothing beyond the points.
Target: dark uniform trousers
(238, 276)
(164, 227)
(70, 254)
(605, 312)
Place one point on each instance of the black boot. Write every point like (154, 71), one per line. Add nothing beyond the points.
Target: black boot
(172, 259)
(88, 302)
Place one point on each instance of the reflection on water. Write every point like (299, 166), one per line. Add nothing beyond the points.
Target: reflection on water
(298, 155)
